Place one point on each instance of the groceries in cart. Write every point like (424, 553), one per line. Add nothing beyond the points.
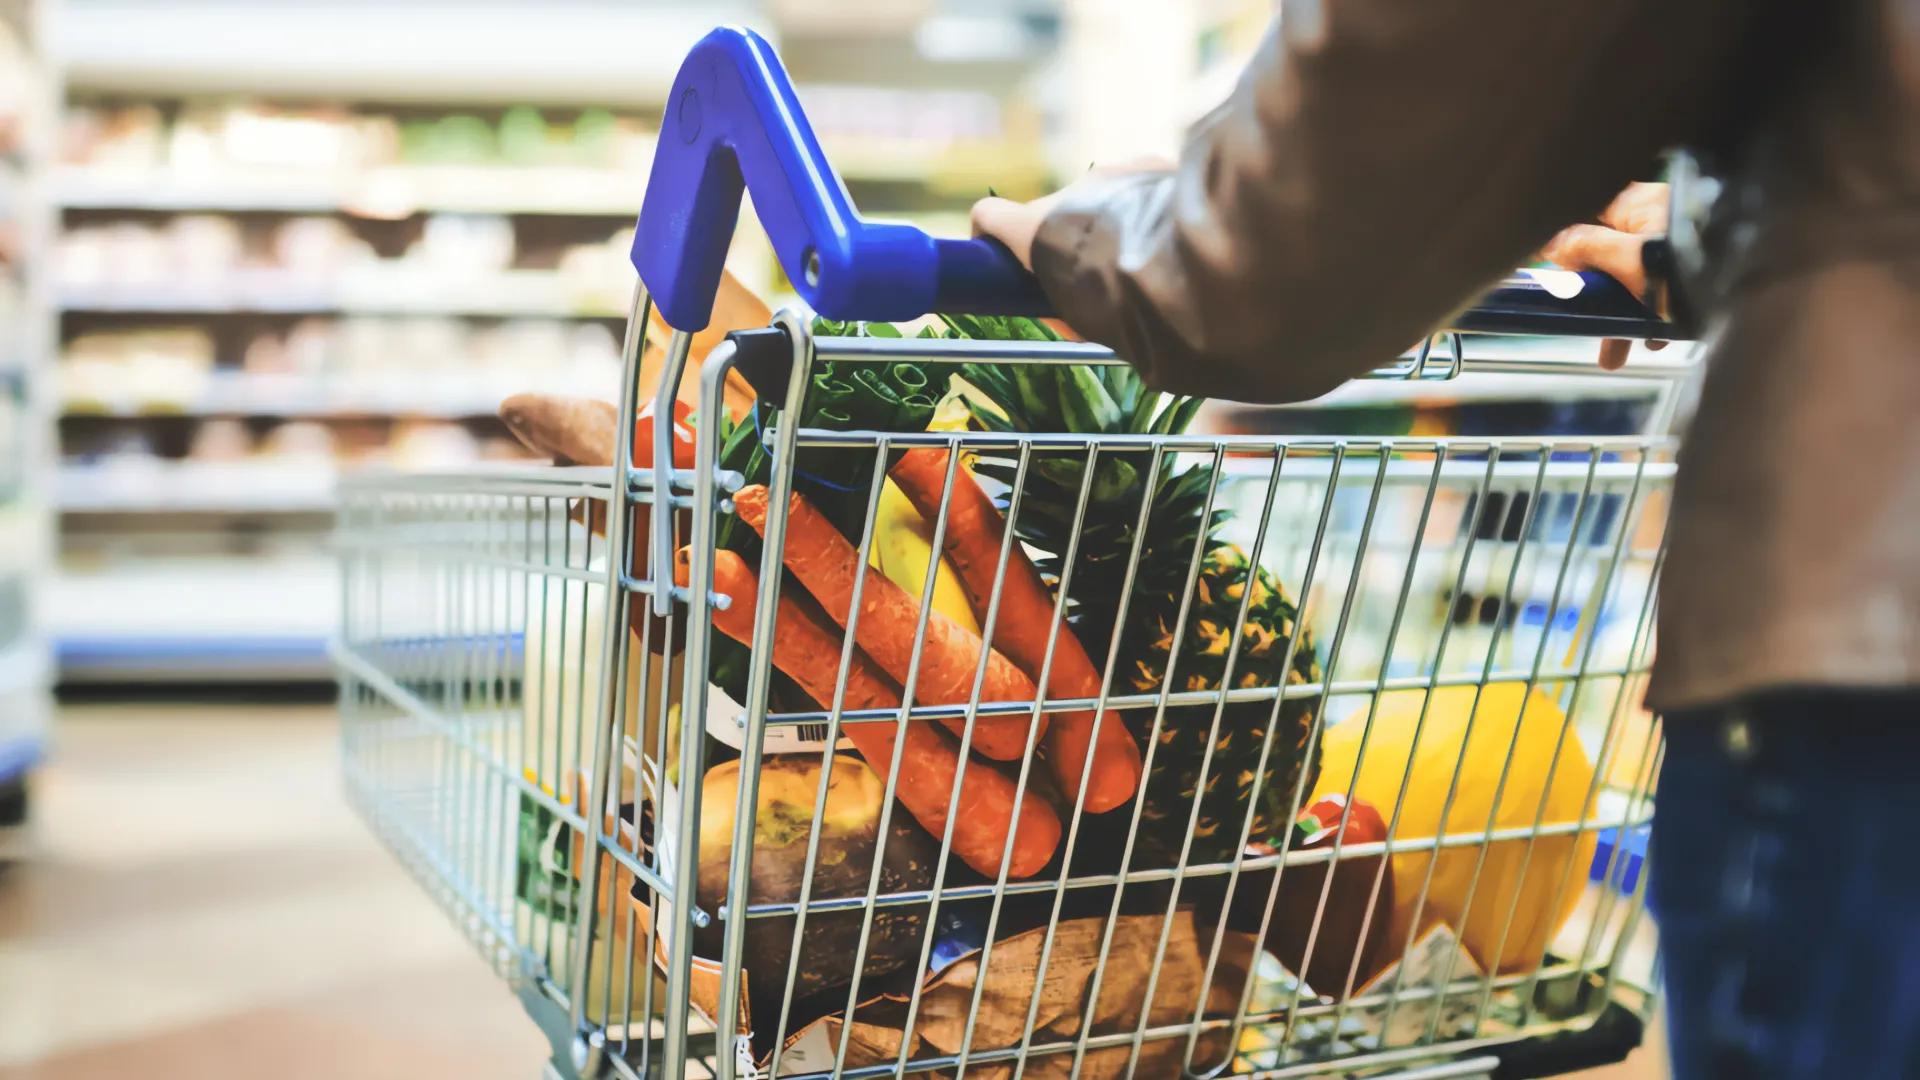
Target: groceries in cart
(1167, 791)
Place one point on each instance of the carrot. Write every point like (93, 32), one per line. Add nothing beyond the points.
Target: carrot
(807, 647)
(972, 543)
(826, 564)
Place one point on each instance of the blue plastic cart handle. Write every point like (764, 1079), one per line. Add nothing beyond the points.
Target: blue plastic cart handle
(733, 123)
(731, 120)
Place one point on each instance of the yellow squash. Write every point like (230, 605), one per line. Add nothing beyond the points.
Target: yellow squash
(903, 540)
(1508, 717)
(902, 547)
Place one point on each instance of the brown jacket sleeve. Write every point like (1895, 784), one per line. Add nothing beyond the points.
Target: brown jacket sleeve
(1380, 163)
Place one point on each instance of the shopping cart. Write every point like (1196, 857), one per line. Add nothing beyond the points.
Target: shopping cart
(1395, 828)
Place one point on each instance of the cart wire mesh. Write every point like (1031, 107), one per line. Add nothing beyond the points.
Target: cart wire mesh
(523, 725)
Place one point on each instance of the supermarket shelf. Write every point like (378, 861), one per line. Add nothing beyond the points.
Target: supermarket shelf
(382, 291)
(295, 397)
(192, 659)
(192, 487)
(25, 533)
(568, 52)
(391, 193)
(210, 503)
(383, 194)
(194, 619)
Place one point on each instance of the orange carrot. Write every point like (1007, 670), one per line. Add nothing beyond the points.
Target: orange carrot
(826, 563)
(972, 543)
(807, 647)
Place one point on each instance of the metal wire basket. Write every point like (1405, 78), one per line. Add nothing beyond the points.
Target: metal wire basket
(535, 723)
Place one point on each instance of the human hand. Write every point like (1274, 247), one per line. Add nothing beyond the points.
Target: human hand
(1612, 246)
(1015, 223)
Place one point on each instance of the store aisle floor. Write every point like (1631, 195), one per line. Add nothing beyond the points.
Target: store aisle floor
(205, 906)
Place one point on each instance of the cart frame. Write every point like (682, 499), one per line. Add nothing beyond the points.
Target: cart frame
(448, 575)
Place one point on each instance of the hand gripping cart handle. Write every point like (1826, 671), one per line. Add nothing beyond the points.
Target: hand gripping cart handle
(733, 122)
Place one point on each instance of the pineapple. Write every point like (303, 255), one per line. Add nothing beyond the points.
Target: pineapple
(1112, 400)
(1181, 747)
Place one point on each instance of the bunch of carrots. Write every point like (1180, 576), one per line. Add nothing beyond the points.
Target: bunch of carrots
(812, 620)
(995, 825)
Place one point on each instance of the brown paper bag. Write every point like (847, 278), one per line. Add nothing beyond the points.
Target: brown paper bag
(1012, 972)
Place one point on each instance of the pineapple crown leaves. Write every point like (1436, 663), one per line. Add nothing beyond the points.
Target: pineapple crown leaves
(1106, 399)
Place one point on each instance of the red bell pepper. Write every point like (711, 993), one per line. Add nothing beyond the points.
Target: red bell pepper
(1347, 926)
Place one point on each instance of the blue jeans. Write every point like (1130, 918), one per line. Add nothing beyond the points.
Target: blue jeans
(1786, 882)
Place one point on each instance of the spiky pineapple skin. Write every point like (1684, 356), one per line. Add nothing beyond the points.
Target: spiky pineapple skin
(1179, 748)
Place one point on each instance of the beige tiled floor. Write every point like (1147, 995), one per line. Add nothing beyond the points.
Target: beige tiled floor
(204, 906)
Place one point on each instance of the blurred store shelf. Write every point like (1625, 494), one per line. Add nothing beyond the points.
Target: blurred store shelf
(380, 193)
(566, 51)
(369, 290)
(194, 619)
(149, 485)
(227, 394)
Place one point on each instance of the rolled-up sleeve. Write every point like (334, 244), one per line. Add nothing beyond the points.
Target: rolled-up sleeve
(1379, 165)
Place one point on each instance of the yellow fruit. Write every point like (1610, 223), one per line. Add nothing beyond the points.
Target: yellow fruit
(902, 547)
(955, 412)
(1499, 726)
(952, 414)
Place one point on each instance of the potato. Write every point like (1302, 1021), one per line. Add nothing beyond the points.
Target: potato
(849, 833)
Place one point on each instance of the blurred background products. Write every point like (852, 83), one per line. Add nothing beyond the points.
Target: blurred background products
(251, 285)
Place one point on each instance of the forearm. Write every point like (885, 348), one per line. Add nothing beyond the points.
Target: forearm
(1360, 187)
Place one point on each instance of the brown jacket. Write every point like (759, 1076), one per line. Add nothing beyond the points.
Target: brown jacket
(1382, 161)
